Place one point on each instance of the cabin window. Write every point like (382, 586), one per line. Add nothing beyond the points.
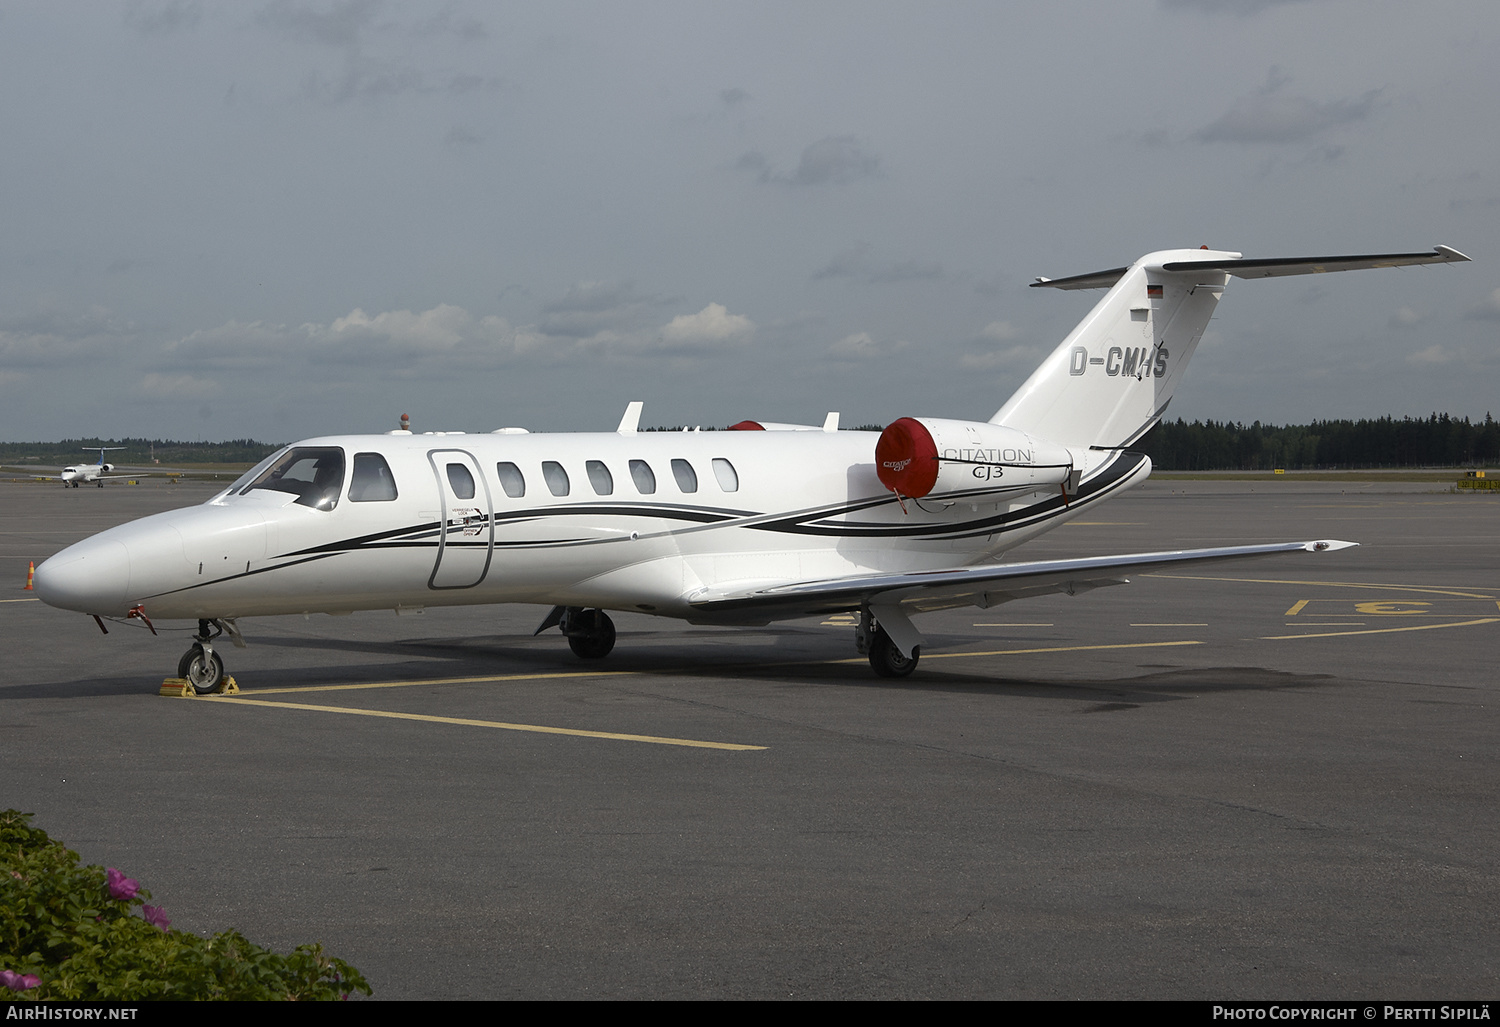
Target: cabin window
(315, 475)
(643, 476)
(687, 478)
(511, 479)
(729, 481)
(461, 480)
(372, 481)
(599, 477)
(555, 477)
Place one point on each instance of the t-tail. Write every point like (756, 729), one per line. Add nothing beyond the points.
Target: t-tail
(1111, 379)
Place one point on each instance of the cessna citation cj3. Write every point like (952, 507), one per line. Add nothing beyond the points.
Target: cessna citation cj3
(731, 527)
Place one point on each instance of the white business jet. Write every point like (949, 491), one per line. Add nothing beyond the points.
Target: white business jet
(730, 527)
(77, 474)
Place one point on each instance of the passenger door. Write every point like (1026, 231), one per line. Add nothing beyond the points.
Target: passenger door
(466, 538)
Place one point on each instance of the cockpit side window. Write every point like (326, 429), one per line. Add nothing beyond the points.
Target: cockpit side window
(372, 481)
(315, 475)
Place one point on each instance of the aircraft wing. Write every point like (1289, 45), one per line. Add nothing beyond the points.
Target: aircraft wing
(983, 586)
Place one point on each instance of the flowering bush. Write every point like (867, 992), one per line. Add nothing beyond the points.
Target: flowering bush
(71, 932)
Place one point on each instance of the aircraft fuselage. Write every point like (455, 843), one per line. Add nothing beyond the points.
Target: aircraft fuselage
(621, 521)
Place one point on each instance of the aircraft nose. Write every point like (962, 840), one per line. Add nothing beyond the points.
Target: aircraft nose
(90, 577)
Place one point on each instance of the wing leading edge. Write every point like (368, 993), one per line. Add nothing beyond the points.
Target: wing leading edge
(984, 586)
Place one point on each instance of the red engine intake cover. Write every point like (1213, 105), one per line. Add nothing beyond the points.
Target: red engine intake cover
(906, 458)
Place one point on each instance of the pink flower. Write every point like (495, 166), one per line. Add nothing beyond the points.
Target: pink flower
(155, 917)
(120, 886)
(19, 982)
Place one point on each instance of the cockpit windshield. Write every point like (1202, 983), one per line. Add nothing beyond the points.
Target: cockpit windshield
(315, 475)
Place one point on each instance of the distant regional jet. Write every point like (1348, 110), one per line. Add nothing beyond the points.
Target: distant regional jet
(736, 527)
(84, 473)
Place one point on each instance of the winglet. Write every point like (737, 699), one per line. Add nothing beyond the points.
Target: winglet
(831, 422)
(632, 419)
(1327, 545)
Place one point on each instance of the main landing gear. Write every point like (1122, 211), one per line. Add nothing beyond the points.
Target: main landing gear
(201, 667)
(885, 658)
(591, 634)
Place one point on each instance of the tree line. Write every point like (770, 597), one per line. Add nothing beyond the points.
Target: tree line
(137, 451)
(1440, 440)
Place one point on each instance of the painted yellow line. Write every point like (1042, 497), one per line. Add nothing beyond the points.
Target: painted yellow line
(1297, 607)
(28, 599)
(535, 728)
(1387, 631)
(1012, 624)
(1056, 649)
(1331, 584)
(446, 681)
(1180, 625)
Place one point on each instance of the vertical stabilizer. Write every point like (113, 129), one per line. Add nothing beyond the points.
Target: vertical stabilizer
(1111, 378)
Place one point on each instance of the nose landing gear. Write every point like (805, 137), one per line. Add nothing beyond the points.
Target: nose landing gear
(200, 666)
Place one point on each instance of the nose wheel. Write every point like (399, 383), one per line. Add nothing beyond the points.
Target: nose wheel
(200, 666)
(202, 669)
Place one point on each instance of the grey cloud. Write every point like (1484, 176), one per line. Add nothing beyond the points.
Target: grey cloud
(338, 24)
(908, 271)
(849, 264)
(460, 137)
(364, 78)
(589, 308)
(1487, 309)
(163, 18)
(1272, 116)
(834, 160)
(855, 263)
(1243, 8)
(444, 23)
(733, 97)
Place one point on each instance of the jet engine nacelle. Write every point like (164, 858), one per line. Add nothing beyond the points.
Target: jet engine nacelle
(106, 468)
(930, 456)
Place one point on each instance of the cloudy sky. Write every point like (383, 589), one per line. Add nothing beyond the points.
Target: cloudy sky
(282, 219)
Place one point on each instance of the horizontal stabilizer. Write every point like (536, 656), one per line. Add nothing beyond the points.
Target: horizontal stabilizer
(1270, 267)
(982, 586)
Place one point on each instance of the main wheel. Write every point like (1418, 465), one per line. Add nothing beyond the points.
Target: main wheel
(887, 660)
(204, 673)
(598, 642)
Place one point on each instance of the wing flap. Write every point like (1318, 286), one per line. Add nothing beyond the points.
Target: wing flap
(983, 586)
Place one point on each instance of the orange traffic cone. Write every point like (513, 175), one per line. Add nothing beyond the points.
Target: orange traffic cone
(30, 573)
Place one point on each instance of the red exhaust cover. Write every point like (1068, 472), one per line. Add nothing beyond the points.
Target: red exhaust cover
(906, 458)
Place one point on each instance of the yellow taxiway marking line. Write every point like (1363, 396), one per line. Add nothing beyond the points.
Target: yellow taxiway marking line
(447, 681)
(1297, 607)
(1387, 631)
(1012, 624)
(1181, 625)
(1054, 649)
(535, 728)
(1333, 584)
(28, 599)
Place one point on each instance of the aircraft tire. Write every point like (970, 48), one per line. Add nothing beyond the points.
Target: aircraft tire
(205, 675)
(596, 644)
(886, 659)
